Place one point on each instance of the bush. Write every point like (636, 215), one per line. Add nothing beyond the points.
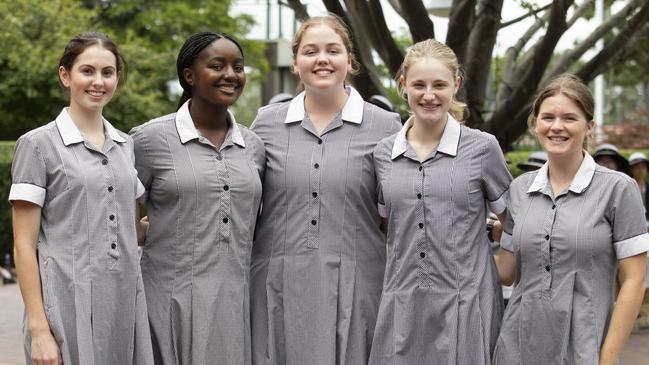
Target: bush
(6, 236)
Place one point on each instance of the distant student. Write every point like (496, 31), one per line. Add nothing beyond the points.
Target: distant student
(203, 174)
(441, 301)
(73, 193)
(319, 254)
(571, 224)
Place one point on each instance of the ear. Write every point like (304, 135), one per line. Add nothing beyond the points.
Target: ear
(294, 67)
(64, 76)
(189, 76)
(458, 83)
(591, 126)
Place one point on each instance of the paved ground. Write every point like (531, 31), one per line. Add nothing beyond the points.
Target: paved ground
(11, 347)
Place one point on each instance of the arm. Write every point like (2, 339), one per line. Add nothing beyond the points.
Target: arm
(141, 226)
(26, 225)
(506, 265)
(631, 277)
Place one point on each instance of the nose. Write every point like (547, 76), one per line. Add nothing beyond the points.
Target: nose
(98, 79)
(229, 72)
(322, 57)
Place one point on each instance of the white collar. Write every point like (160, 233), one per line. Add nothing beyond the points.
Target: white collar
(187, 130)
(447, 144)
(71, 134)
(579, 183)
(352, 111)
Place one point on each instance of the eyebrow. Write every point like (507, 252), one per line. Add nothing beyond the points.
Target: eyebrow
(327, 45)
(223, 59)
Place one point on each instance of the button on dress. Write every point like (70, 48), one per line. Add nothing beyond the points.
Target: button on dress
(87, 247)
(202, 203)
(441, 301)
(567, 249)
(319, 255)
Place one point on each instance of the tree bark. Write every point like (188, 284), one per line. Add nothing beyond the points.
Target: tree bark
(419, 23)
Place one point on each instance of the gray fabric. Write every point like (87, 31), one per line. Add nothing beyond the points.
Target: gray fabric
(316, 287)
(202, 205)
(567, 250)
(441, 301)
(87, 249)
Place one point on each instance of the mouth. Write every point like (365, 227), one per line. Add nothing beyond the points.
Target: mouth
(430, 107)
(228, 88)
(95, 93)
(323, 72)
(557, 139)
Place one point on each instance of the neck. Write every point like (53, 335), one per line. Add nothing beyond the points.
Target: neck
(562, 170)
(427, 132)
(208, 116)
(325, 102)
(88, 121)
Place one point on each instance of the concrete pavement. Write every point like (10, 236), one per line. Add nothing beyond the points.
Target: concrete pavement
(11, 339)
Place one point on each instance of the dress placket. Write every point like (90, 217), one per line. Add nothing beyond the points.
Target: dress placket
(314, 185)
(420, 226)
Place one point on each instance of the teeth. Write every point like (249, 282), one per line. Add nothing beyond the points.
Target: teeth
(95, 93)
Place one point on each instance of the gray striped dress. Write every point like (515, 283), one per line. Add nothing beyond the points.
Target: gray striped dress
(441, 301)
(318, 256)
(87, 247)
(202, 204)
(567, 248)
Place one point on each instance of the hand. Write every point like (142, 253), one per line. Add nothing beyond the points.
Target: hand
(45, 351)
(497, 231)
(142, 230)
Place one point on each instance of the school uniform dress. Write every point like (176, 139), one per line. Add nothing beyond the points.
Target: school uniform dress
(567, 249)
(319, 255)
(441, 301)
(202, 203)
(87, 246)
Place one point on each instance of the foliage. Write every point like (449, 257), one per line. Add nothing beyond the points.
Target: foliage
(149, 33)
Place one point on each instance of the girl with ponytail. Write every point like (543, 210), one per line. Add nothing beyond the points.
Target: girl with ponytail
(441, 301)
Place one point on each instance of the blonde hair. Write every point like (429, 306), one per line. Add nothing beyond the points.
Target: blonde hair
(431, 48)
(338, 26)
(571, 87)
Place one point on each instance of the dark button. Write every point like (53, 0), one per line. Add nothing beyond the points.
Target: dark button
(104, 162)
(314, 194)
(422, 254)
(421, 225)
(551, 248)
(219, 157)
(226, 188)
(113, 245)
(314, 222)
(547, 268)
(110, 188)
(553, 206)
(316, 165)
(225, 220)
(418, 196)
(319, 141)
(420, 168)
(547, 237)
(111, 217)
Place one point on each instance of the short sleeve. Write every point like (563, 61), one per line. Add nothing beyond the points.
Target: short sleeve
(380, 164)
(628, 221)
(259, 155)
(28, 173)
(506, 241)
(495, 175)
(142, 161)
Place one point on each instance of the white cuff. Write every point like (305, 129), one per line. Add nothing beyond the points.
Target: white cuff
(27, 192)
(632, 246)
(383, 211)
(506, 242)
(139, 191)
(498, 206)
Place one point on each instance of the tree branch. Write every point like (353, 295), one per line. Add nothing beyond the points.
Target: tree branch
(298, 8)
(570, 57)
(481, 44)
(460, 22)
(525, 16)
(416, 15)
(611, 52)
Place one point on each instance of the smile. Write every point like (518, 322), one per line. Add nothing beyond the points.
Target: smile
(95, 93)
(228, 88)
(323, 72)
(557, 139)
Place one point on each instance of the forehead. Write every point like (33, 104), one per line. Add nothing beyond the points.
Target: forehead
(320, 34)
(97, 56)
(561, 102)
(221, 48)
(430, 69)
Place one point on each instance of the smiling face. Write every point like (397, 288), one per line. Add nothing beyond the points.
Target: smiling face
(430, 87)
(561, 127)
(218, 75)
(321, 60)
(92, 79)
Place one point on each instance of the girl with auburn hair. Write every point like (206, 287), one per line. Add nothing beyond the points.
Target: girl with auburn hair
(73, 193)
(441, 301)
(203, 173)
(571, 224)
(319, 255)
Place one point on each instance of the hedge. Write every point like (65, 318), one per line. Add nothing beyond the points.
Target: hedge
(6, 153)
